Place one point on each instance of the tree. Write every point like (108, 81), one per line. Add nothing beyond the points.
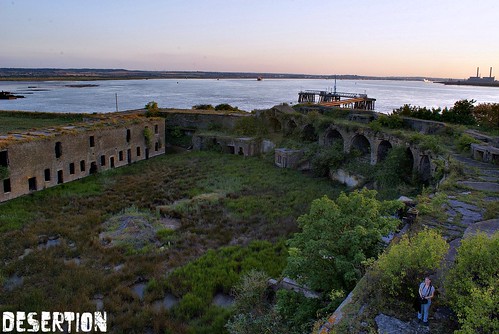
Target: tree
(337, 237)
(399, 270)
(473, 284)
(152, 108)
(487, 115)
(460, 113)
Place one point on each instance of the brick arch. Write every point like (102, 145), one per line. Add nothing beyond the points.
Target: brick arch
(309, 133)
(291, 126)
(332, 136)
(361, 143)
(383, 148)
(275, 124)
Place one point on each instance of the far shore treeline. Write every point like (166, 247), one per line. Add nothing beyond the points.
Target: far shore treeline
(33, 74)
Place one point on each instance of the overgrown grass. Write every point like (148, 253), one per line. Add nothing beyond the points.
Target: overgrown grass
(254, 201)
(22, 121)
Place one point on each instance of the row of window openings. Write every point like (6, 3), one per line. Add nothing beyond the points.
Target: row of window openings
(93, 168)
(128, 135)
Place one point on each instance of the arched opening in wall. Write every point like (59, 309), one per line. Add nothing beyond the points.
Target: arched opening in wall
(275, 124)
(410, 158)
(333, 137)
(361, 144)
(425, 169)
(309, 133)
(383, 149)
(291, 126)
(240, 152)
(58, 149)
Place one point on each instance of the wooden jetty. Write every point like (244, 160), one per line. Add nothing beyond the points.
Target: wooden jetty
(337, 99)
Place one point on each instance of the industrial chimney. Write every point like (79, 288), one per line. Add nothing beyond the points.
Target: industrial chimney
(490, 72)
(477, 69)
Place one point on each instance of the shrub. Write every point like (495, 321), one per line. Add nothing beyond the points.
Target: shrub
(152, 109)
(336, 237)
(203, 107)
(399, 270)
(473, 284)
(298, 312)
(253, 309)
(250, 126)
(226, 107)
(391, 121)
(464, 143)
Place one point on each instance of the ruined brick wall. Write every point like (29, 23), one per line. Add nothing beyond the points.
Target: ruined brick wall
(42, 162)
(201, 120)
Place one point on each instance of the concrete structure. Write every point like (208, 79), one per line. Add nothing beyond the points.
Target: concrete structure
(288, 158)
(244, 146)
(200, 119)
(42, 159)
(485, 153)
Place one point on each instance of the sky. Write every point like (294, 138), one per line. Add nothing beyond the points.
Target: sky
(427, 38)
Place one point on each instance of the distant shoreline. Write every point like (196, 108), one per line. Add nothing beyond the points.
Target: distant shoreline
(52, 74)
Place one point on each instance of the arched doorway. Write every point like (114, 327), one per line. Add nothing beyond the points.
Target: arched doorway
(425, 169)
(333, 136)
(361, 144)
(309, 133)
(383, 148)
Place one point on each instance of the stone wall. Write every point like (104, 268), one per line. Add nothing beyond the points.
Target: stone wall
(244, 146)
(43, 161)
(423, 126)
(192, 119)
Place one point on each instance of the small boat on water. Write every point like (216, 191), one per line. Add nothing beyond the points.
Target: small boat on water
(9, 96)
(427, 81)
(259, 78)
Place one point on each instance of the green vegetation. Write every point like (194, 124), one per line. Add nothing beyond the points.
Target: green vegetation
(473, 284)
(218, 272)
(226, 107)
(254, 202)
(152, 109)
(399, 270)
(336, 237)
(203, 107)
(485, 115)
(24, 121)
(253, 308)
(148, 137)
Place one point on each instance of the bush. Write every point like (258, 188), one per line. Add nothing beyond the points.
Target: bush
(325, 158)
(250, 126)
(226, 107)
(298, 312)
(253, 310)
(399, 270)
(464, 143)
(391, 121)
(337, 237)
(473, 284)
(152, 109)
(203, 107)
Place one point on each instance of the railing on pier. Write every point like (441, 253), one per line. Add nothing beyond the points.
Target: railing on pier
(330, 99)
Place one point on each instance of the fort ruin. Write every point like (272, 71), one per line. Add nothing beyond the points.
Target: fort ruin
(38, 160)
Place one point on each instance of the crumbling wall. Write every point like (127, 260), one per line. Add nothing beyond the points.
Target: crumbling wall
(36, 163)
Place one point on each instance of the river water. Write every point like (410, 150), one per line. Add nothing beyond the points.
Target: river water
(57, 96)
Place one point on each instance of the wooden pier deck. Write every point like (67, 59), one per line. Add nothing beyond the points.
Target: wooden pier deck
(334, 99)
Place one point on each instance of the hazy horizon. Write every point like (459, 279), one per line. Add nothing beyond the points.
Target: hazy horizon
(444, 39)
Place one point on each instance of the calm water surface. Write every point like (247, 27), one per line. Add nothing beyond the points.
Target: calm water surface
(55, 96)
